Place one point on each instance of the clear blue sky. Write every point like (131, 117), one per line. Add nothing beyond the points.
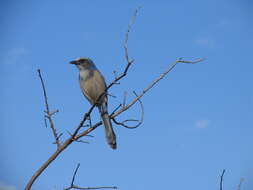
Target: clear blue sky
(198, 120)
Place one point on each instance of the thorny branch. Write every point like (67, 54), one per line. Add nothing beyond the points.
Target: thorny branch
(76, 135)
(73, 186)
(49, 114)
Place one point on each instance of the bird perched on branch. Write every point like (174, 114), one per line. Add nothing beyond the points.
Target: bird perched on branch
(93, 86)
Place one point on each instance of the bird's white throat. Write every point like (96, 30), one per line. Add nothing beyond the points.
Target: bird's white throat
(84, 74)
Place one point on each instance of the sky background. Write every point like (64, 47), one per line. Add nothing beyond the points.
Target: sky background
(198, 119)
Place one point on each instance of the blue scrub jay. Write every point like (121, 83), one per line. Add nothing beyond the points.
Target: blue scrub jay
(93, 84)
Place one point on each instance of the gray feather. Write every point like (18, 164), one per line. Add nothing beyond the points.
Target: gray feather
(109, 133)
(92, 84)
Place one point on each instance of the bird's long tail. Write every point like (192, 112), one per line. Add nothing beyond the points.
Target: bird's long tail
(109, 133)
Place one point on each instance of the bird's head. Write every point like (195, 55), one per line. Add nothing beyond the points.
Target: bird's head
(83, 63)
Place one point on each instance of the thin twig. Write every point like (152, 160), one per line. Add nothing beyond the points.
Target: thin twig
(240, 184)
(153, 84)
(116, 109)
(49, 114)
(221, 179)
(123, 123)
(73, 186)
(124, 99)
(45, 121)
(132, 21)
(84, 188)
(74, 176)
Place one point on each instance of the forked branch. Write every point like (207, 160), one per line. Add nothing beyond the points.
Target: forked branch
(73, 186)
(221, 179)
(49, 114)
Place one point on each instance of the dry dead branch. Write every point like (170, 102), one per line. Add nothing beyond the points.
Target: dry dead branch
(73, 186)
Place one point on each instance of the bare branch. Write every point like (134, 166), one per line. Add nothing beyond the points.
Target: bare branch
(116, 109)
(221, 178)
(73, 186)
(49, 114)
(74, 176)
(126, 36)
(180, 60)
(76, 135)
(123, 123)
(154, 83)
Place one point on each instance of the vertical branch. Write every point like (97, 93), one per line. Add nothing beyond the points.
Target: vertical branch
(126, 36)
(221, 178)
(48, 113)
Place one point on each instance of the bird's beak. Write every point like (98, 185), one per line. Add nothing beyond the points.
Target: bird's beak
(72, 62)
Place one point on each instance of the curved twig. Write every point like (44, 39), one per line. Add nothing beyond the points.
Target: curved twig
(123, 123)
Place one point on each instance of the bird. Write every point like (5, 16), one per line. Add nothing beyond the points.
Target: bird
(93, 86)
